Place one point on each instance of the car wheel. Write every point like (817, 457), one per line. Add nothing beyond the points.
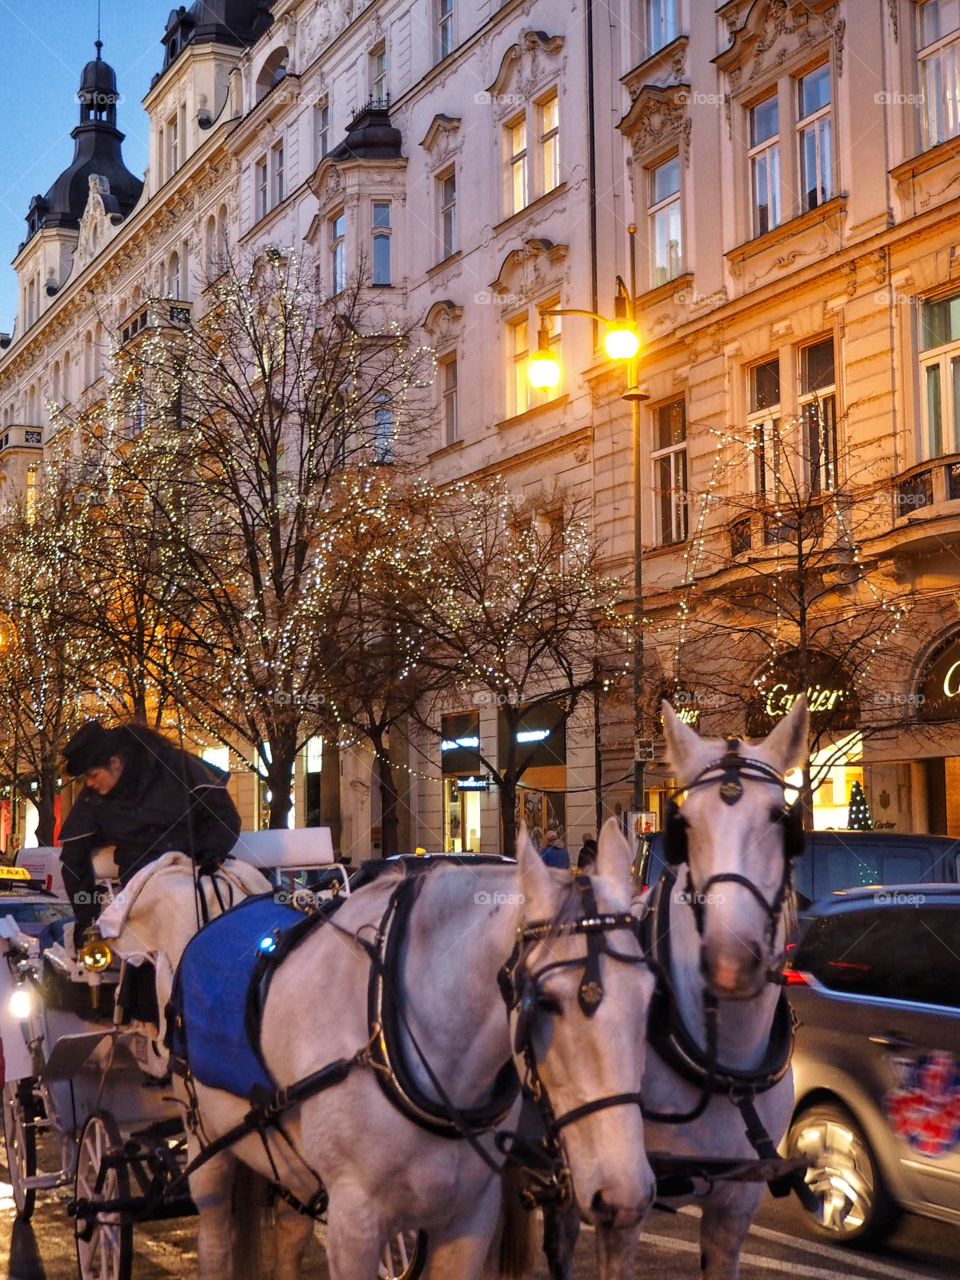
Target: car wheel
(853, 1205)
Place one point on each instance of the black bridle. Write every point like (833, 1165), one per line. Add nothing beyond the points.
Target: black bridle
(522, 991)
(729, 773)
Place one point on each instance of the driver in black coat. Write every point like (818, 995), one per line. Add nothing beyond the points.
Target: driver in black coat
(145, 797)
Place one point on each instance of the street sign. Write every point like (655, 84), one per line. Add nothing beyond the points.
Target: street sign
(642, 750)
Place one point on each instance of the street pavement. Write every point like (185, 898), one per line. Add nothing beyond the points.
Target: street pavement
(919, 1250)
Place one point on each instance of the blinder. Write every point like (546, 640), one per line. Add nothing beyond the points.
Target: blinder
(676, 846)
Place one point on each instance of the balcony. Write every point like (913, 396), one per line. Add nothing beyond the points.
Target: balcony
(19, 437)
(154, 315)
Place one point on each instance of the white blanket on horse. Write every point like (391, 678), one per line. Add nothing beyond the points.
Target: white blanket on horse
(245, 879)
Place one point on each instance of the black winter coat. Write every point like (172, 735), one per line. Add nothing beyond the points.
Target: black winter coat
(170, 801)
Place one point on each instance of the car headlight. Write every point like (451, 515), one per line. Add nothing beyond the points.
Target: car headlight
(21, 1003)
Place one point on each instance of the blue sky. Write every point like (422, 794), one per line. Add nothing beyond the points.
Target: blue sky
(45, 44)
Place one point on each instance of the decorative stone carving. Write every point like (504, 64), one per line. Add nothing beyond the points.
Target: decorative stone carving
(442, 322)
(657, 117)
(769, 26)
(524, 67)
(528, 271)
(894, 9)
(442, 140)
(100, 217)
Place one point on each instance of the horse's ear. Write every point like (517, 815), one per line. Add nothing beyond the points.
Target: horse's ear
(614, 857)
(683, 743)
(536, 884)
(786, 745)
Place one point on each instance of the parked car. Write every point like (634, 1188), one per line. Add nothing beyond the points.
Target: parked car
(844, 860)
(875, 986)
(35, 910)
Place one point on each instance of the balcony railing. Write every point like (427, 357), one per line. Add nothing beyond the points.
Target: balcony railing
(20, 437)
(158, 313)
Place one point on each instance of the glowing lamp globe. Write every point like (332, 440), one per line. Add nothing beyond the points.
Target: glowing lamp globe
(622, 342)
(543, 370)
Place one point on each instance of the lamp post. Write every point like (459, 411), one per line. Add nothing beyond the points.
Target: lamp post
(622, 343)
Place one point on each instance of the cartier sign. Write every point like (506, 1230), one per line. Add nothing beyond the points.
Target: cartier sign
(830, 694)
(938, 693)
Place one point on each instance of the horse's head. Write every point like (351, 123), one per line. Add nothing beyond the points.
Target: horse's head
(736, 836)
(581, 996)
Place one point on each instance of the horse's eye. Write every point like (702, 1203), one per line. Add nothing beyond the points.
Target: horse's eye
(776, 815)
(548, 1004)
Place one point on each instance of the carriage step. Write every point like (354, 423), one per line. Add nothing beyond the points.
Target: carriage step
(46, 1181)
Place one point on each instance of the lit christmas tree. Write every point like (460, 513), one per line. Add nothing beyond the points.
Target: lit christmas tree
(859, 819)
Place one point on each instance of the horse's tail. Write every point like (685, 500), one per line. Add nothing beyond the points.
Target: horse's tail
(251, 1211)
(517, 1245)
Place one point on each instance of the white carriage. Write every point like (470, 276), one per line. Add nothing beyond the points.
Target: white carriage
(79, 1071)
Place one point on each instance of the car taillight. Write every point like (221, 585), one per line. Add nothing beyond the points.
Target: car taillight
(795, 979)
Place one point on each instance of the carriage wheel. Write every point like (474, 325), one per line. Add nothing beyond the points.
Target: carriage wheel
(20, 1138)
(404, 1257)
(104, 1240)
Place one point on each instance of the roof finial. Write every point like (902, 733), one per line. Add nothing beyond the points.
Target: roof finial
(99, 42)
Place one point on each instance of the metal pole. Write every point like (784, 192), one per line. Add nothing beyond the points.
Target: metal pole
(632, 379)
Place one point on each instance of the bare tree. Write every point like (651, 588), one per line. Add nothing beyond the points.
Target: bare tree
(46, 667)
(511, 607)
(787, 596)
(246, 430)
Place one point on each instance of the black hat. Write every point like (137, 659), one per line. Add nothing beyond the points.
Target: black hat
(91, 746)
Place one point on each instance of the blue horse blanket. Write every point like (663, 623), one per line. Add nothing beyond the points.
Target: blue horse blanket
(209, 1027)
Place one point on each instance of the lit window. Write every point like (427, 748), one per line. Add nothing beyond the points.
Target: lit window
(765, 164)
(814, 130)
(939, 45)
(940, 375)
(337, 232)
(381, 242)
(550, 142)
(445, 35)
(260, 188)
(665, 221)
(448, 393)
(448, 213)
(516, 134)
(818, 412)
(520, 390)
(670, 471)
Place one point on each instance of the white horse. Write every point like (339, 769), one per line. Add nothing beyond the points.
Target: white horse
(581, 1023)
(722, 916)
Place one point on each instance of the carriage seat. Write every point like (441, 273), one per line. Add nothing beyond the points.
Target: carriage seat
(298, 849)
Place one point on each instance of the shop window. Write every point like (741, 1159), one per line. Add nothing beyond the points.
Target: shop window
(940, 375)
(818, 413)
(463, 782)
(939, 46)
(670, 471)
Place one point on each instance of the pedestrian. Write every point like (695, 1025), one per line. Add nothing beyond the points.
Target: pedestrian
(553, 853)
(145, 797)
(587, 857)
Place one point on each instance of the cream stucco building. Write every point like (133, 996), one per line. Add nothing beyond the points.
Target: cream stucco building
(793, 172)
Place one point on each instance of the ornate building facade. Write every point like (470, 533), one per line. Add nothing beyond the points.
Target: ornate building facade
(793, 173)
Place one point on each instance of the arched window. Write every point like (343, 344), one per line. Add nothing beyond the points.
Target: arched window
(67, 378)
(223, 237)
(89, 374)
(56, 387)
(210, 248)
(273, 71)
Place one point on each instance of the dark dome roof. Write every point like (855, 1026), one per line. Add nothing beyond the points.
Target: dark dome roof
(236, 22)
(370, 136)
(97, 150)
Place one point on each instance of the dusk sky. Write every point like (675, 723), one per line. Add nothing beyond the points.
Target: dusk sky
(45, 45)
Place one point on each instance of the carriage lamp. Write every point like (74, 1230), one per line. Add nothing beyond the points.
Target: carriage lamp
(95, 956)
(543, 367)
(21, 1003)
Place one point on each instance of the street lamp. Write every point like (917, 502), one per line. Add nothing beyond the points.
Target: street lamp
(621, 342)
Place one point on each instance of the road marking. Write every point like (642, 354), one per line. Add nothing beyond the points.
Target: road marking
(779, 1264)
(831, 1251)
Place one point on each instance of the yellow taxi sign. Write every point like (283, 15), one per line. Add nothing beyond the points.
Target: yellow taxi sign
(14, 873)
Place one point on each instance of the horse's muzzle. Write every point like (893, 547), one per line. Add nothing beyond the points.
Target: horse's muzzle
(733, 972)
